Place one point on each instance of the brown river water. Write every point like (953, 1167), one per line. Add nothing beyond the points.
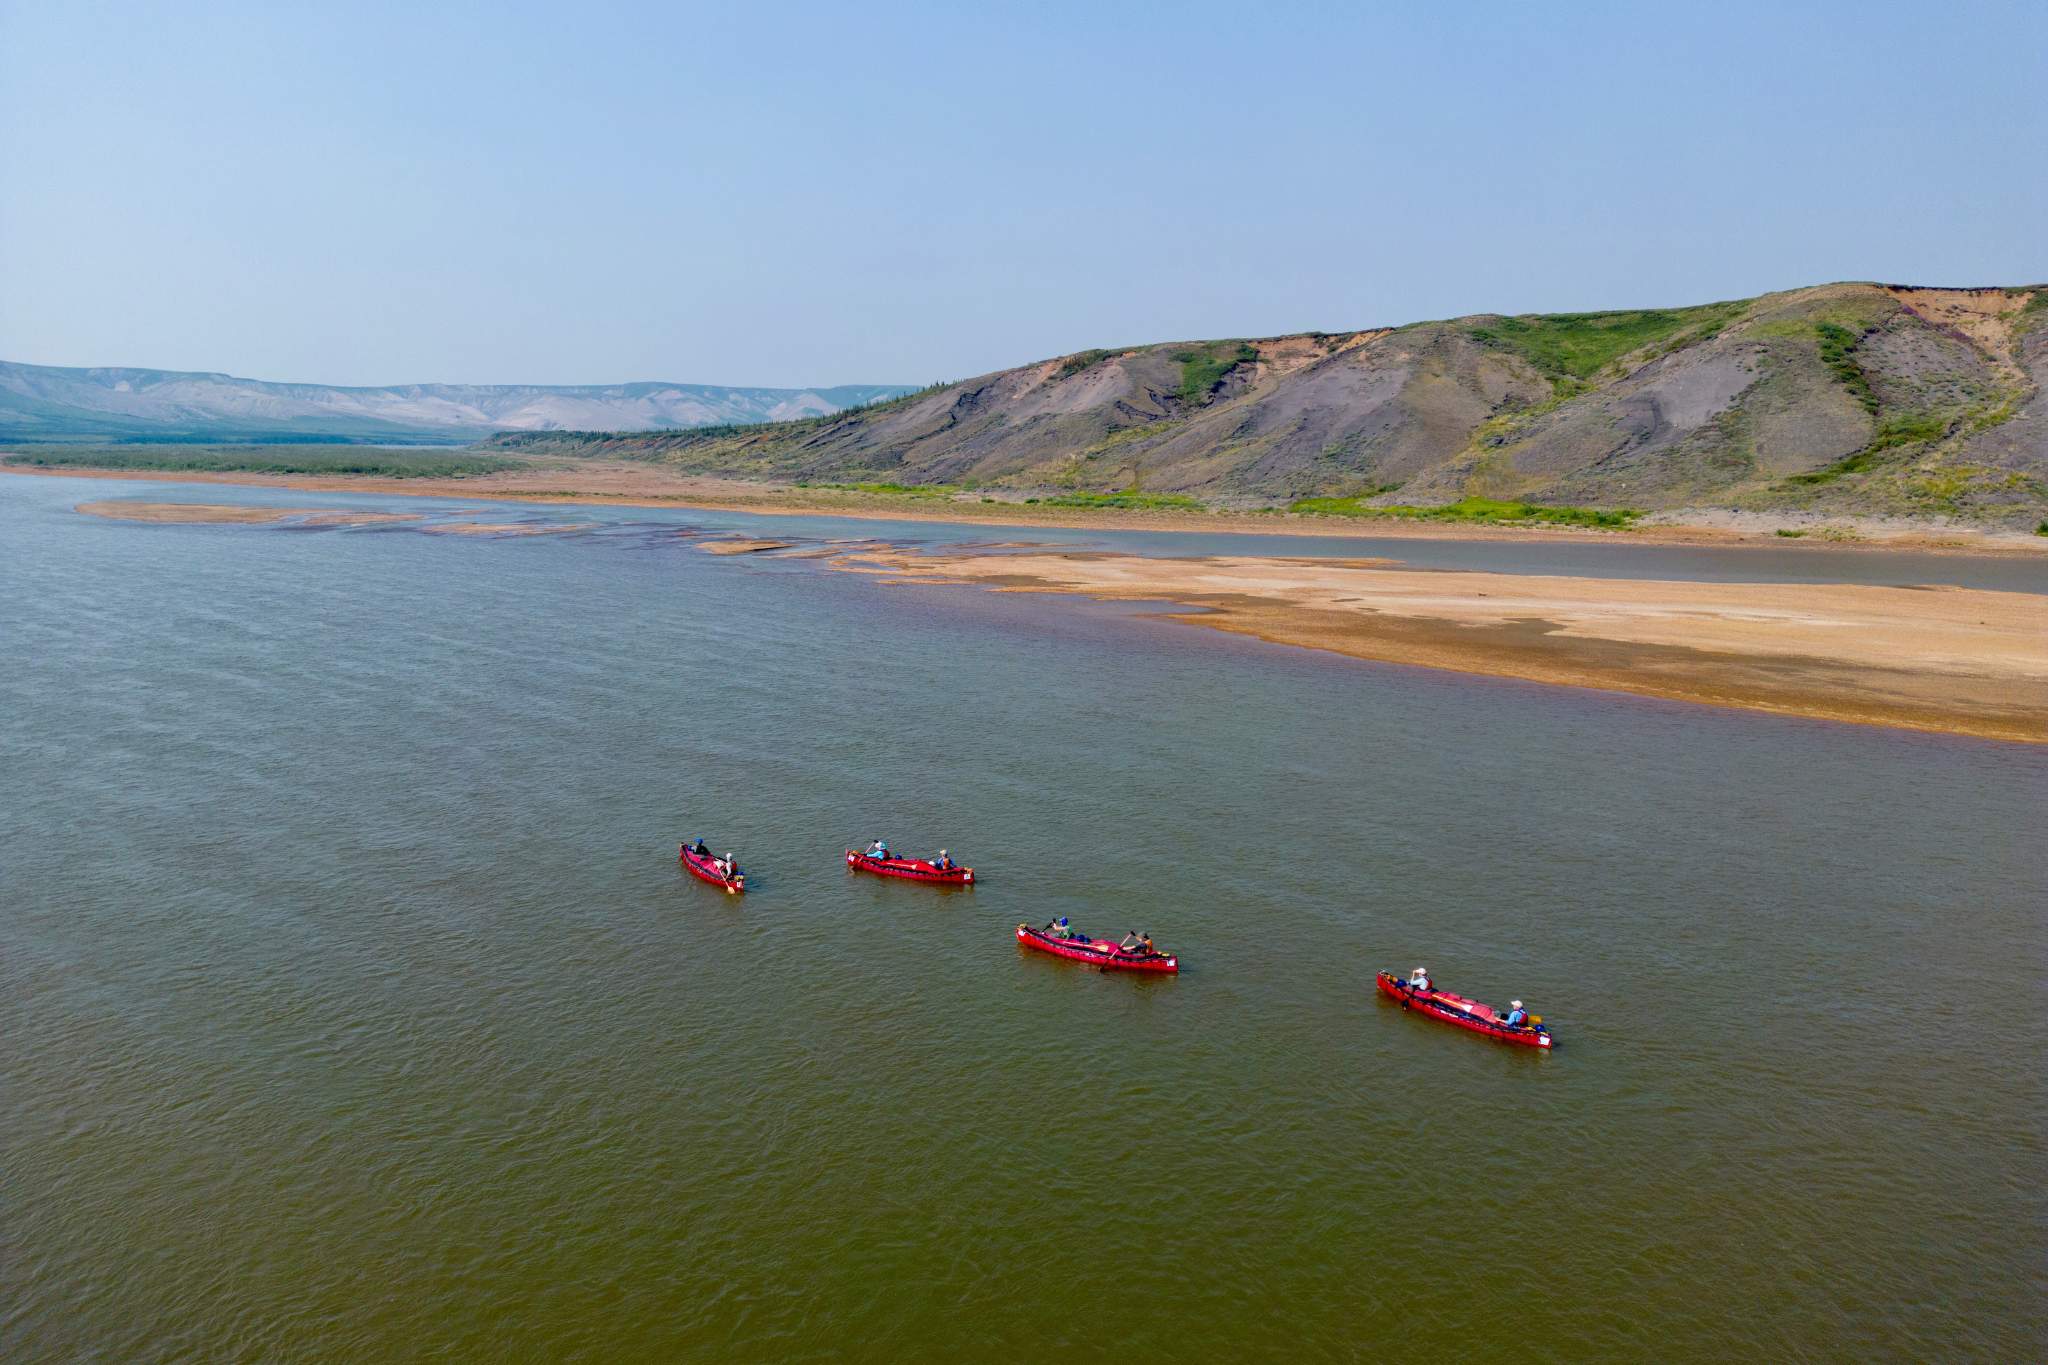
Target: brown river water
(353, 1006)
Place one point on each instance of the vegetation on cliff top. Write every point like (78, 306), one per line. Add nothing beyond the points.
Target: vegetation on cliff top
(1079, 361)
(1203, 369)
(1577, 346)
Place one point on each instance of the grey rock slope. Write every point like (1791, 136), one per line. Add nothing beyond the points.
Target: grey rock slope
(49, 402)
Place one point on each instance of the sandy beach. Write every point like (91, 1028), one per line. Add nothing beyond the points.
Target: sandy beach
(504, 528)
(223, 514)
(744, 547)
(1955, 660)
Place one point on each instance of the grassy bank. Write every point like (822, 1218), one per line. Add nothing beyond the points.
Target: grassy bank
(890, 490)
(1476, 511)
(257, 459)
(1114, 502)
(1128, 502)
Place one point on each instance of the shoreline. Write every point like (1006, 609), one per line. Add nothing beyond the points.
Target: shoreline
(1960, 661)
(615, 486)
(1956, 660)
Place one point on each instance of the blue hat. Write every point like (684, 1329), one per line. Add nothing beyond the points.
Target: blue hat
(1063, 919)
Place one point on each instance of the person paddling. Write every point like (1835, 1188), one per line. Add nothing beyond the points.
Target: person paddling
(1517, 1016)
(942, 862)
(700, 849)
(1419, 979)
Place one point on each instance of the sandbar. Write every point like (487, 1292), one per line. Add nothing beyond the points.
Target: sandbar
(506, 528)
(203, 513)
(743, 547)
(1954, 660)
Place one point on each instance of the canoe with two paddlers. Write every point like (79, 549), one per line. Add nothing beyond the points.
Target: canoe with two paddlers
(911, 869)
(717, 871)
(1097, 952)
(1465, 1013)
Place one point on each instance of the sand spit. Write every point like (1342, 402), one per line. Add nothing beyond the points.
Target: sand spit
(188, 512)
(1955, 660)
(194, 513)
(743, 547)
(198, 513)
(353, 518)
(506, 528)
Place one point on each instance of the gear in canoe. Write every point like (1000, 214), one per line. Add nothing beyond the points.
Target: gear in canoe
(1514, 1025)
(940, 870)
(701, 863)
(1134, 954)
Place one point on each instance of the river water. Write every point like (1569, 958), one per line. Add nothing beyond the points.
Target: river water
(355, 1008)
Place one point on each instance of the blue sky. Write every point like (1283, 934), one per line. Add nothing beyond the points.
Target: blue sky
(810, 194)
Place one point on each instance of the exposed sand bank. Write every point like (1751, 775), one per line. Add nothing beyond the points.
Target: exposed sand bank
(194, 513)
(636, 485)
(744, 547)
(504, 528)
(200, 513)
(352, 518)
(1957, 660)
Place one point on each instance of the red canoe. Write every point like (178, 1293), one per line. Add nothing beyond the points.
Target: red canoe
(703, 869)
(916, 869)
(1097, 952)
(1466, 1014)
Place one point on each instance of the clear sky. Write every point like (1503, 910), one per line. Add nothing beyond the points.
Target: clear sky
(812, 194)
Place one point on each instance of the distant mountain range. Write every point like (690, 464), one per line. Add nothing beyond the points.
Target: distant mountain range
(1866, 398)
(45, 402)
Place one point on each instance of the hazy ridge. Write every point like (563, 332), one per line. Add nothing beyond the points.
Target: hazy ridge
(46, 402)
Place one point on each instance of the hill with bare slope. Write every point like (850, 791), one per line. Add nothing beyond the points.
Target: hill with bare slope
(1859, 398)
